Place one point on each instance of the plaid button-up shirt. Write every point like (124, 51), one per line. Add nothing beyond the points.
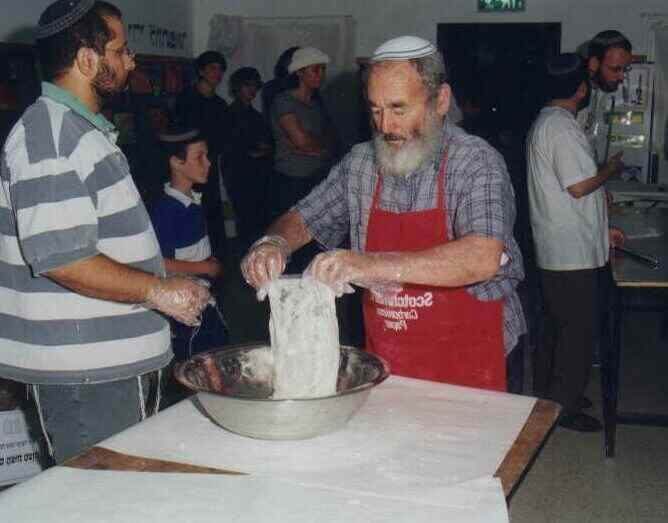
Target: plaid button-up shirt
(479, 199)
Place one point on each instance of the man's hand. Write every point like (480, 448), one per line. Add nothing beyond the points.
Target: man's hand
(338, 269)
(180, 298)
(264, 262)
(214, 269)
(614, 165)
(617, 237)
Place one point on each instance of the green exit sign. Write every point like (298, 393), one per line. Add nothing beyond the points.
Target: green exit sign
(501, 5)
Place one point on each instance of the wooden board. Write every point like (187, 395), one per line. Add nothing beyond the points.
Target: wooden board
(531, 438)
(99, 458)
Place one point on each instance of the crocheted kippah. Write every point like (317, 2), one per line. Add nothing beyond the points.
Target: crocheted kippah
(403, 48)
(60, 15)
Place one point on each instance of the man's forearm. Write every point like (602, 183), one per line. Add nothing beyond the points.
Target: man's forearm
(589, 185)
(292, 228)
(466, 261)
(103, 278)
(175, 266)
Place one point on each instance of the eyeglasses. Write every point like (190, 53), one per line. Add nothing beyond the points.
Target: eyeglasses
(618, 68)
(124, 51)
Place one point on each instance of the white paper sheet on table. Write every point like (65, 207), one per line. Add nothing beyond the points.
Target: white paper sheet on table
(76, 496)
(410, 437)
(417, 451)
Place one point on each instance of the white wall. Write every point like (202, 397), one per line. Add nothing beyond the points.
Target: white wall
(173, 19)
(378, 20)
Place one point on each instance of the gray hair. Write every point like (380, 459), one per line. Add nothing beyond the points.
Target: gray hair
(431, 70)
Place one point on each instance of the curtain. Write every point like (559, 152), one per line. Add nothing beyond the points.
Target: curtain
(258, 42)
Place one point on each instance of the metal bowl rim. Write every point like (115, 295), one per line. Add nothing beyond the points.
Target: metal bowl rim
(180, 366)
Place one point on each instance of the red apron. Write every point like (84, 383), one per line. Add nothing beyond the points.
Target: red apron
(432, 333)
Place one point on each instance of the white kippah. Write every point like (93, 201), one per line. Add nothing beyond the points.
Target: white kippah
(403, 48)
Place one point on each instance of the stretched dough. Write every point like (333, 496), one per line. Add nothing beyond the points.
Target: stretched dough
(304, 338)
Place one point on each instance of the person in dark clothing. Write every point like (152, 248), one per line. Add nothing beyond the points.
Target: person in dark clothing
(248, 164)
(201, 108)
(146, 158)
(282, 81)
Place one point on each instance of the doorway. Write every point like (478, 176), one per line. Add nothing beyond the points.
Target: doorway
(497, 74)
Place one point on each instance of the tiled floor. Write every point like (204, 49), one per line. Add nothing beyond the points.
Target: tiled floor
(572, 481)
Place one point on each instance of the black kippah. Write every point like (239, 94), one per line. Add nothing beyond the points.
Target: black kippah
(177, 134)
(564, 64)
(60, 15)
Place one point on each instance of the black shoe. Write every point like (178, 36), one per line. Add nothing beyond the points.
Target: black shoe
(585, 403)
(580, 422)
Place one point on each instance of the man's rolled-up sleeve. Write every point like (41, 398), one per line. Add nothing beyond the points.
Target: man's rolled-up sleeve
(573, 159)
(325, 210)
(55, 216)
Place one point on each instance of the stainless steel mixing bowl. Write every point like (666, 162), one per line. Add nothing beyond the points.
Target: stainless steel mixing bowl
(234, 387)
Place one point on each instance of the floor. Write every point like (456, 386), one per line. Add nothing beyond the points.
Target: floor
(571, 480)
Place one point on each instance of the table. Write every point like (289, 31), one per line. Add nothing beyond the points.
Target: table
(417, 451)
(515, 464)
(637, 191)
(630, 274)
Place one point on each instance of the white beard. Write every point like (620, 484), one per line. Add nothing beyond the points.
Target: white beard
(413, 153)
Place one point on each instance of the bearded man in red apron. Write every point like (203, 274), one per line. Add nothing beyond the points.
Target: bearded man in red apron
(430, 213)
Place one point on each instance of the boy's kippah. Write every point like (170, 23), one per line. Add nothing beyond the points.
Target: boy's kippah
(60, 15)
(178, 135)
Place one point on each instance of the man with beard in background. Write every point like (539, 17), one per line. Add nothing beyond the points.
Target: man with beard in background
(430, 213)
(608, 61)
(81, 275)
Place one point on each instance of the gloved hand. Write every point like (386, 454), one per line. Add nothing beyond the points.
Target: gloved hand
(340, 269)
(382, 289)
(181, 298)
(264, 262)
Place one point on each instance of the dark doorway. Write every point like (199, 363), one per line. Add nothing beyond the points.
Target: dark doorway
(496, 72)
(500, 64)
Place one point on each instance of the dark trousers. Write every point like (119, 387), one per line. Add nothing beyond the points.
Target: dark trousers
(575, 305)
(212, 333)
(515, 369)
(76, 417)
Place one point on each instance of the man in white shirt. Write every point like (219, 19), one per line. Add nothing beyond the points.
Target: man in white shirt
(569, 219)
(608, 61)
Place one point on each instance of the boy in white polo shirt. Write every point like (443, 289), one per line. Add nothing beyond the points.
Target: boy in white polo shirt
(180, 224)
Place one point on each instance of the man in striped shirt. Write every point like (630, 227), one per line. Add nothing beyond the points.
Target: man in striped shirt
(81, 275)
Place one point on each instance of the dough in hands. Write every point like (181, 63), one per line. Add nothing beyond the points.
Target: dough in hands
(304, 338)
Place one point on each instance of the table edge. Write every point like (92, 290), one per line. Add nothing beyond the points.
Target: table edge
(533, 435)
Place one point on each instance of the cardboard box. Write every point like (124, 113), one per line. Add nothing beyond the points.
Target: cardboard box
(21, 455)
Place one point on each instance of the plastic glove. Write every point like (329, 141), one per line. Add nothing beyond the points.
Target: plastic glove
(340, 269)
(382, 289)
(181, 298)
(265, 261)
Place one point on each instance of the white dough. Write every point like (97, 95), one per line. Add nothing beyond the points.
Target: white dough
(304, 338)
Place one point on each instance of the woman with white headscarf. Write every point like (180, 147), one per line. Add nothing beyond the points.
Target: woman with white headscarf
(302, 131)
